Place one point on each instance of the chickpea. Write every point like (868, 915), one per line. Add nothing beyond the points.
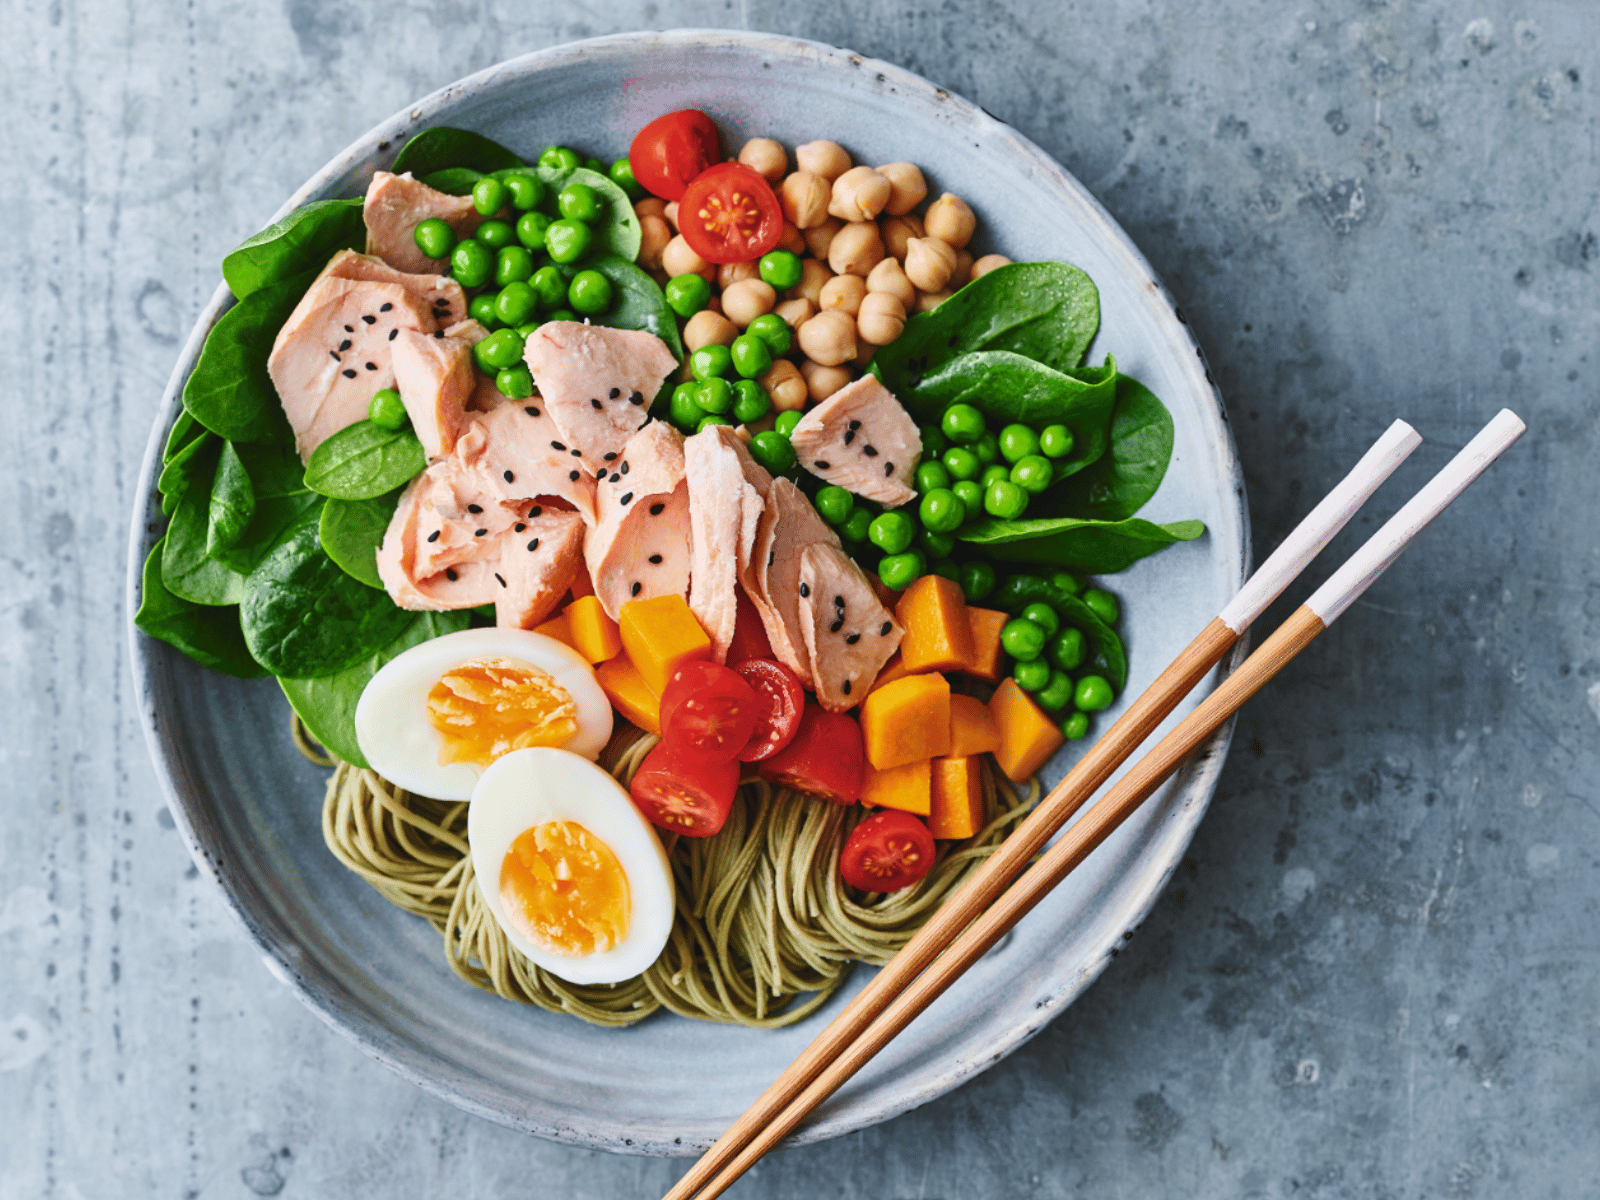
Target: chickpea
(888, 277)
(804, 196)
(907, 188)
(950, 220)
(813, 275)
(928, 301)
(654, 234)
(797, 312)
(829, 338)
(882, 319)
(961, 273)
(791, 239)
(929, 262)
(707, 328)
(843, 293)
(863, 358)
(785, 385)
(678, 259)
(730, 273)
(747, 299)
(897, 231)
(856, 249)
(821, 381)
(819, 237)
(988, 263)
(828, 159)
(651, 206)
(670, 212)
(859, 195)
(714, 304)
(766, 158)
(747, 432)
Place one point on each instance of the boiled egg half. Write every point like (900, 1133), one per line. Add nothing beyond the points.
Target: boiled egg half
(569, 868)
(433, 719)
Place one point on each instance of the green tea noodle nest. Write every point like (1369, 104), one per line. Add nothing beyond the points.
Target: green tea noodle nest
(765, 929)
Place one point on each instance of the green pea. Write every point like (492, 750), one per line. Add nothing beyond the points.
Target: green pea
(550, 286)
(560, 158)
(526, 331)
(750, 355)
(502, 348)
(687, 294)
(856, 528)
(969, 493)
(773, 451)
(1018, 441)
(892, 532)
(594, 164)
(750, 401)
(683, 410)
(1042, 615)
(939, 545)
(1055, 441)
(1065, 582)
(1067, 649)
(715, 395)
(481, 309)
(488, 196)
(945, 568)
(1093, 693)
(512, 265)
(1033, 474)
(579, 202)
(941, 510)
(531, 229)
(780, 268)
(434, 237)
(515, 382)
(962, 423)
(621, 174)
(1018, 591)
(386, 410)
(991, 474)
(1032, 676)
(987, 448)
(961, 463)
(562, 314)
(710, 362)
(710, 419)
(786, 421)
(933, 440)
(589, 292)
(1055, 695)
(1022, 639)
(495, 234)
(1075, 727)
(516, 304)
(1005, 500)
(1103, 604)
(931, 475)
(834, 504)
(900, 571)
(471, 263)
(524, 191)
(773, 330)
(568, 240)
(977, 581)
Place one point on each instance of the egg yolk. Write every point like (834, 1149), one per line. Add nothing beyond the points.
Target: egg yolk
(491, 706)
(565, 889)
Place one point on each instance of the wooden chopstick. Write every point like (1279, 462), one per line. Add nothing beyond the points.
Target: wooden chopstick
(1109, 752)
(1324, 606)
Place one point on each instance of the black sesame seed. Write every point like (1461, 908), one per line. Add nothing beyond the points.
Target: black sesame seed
(349, 329)
(805, 590)
(575, 476)
(854, 425)
(610, 455)
(334, 354)
(535, 511)
(870, 451)
(884, 628)
(657, 509)
(394, 333)
(558, 445)
(530, 410)
(509, 477)
(438, 333)
(474, 508)
(593, 402)
(372, 366)
(636, 399)
(614, 475)
(450, 574)
(627, 498)
(838, 602)
(613, 394)
(821, 466)
(345, 345)
(846, 688)
(771, 554)
(852, 639)
(624, 467)
(888, 469)
(533, 545)
(434, 536)
(849, 436)
(836, 626)
(636, 589)
(479, 532)
(519, 527)
(385, 306)
(501, 578)
(348, 373)
(575, 452)
(370, 320)
(655, 560)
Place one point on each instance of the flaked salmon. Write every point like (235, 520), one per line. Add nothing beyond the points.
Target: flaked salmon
(847, 631)
(396, 205)
(863, 440)
(640, 546)
(727, 490)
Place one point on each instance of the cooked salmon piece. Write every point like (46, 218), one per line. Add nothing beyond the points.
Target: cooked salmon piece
(514, 453)
(396, 205)
(847, 631)
(640, 546)
(336, 349)
(726, 498)
(863, 440)
(788, 525)
(463, 584)
(597, 383)
(435, 378)
(443, 295)
(470, 331)
(537, 564)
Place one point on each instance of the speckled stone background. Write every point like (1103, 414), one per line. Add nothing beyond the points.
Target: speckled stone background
(1377, 973)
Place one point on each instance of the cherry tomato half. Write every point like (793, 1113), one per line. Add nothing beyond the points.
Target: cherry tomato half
(670, 151)
(749, 634)
(729, 214)
(683, 793)
(709, 711)
(825, 758)
(780, 702)
(888, 851)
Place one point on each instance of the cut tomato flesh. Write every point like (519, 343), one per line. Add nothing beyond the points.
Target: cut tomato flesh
(708, 710)
(729, 214)
(684, 794)
(888, 851)
(780, 703)
(825, 758)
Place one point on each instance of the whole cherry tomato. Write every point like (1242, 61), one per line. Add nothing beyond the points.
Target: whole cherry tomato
(670, 151)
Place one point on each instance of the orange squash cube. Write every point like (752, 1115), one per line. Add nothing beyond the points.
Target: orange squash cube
(558, 628)
(594, 635)
(907, 787)
(907, 720)
(620, 680)
(933, 613)
(1028, 735)
(957, 810)
(972, 727)
(894, 669)
(986, 625)
(661, 634)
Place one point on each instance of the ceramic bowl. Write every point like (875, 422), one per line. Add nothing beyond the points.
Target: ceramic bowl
(249, 805)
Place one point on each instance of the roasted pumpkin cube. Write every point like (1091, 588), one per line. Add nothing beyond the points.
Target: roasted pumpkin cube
(957, 809)
(620, 680)
(594, 635)
(907, 720)
(986, 625)
(660, 635)
(559, 628)
(972, 727)
(938, 637)
(907, 787)
(894, 669)
(1028, 734)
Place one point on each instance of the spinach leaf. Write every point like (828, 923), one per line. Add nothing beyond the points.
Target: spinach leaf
(1118, 485)
(1046, 311)
(443, 146)
(1016, 592)
(638, 303)
(233, 503)
(210, 636)
(328, 705)
(363, 461)
(352, 530)
(304, 617)
(621, 234)
(195, 459)
(453, 181)
(230, 392)
(186, 569)
(303, 241)
(275, 470)
(273, 516)
(184, 431)
(1094, 547)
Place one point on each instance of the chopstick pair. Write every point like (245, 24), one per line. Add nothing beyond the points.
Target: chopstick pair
(978, 914)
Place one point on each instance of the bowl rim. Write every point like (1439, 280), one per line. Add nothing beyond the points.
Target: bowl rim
(410, 1062)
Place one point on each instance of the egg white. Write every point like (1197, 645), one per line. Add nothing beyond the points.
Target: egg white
(401, 744)
(538, 785)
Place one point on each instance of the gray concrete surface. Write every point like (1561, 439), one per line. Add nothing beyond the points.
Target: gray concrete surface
(1377, 973)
